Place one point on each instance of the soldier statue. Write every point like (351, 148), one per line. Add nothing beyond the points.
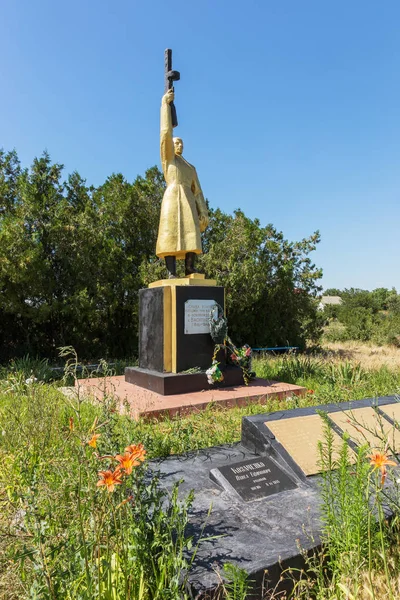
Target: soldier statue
(184, 214)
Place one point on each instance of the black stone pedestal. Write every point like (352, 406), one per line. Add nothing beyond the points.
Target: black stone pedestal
(174, 337)
(163, 343)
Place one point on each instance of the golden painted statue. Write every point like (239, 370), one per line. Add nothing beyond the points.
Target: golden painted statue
(184, 213)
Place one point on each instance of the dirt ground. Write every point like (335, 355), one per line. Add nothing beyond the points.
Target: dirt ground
(369, 355)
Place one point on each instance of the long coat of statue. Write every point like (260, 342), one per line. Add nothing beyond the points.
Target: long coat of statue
(183, 210)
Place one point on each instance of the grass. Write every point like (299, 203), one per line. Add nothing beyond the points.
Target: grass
(369, 355)
(359, 557)
(329, 379)
(61, 536)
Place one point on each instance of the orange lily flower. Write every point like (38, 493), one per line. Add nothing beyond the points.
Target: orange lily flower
(110, 479)
(93, 440)
(380, 460)
(137, 451)
(127, 461)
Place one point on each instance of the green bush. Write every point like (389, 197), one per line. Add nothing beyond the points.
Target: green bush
(74, 257)
(359, 322)
(336, 332)
(387, 330)
(365, 316)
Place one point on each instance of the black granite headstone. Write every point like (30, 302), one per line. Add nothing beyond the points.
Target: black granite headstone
(253, 479)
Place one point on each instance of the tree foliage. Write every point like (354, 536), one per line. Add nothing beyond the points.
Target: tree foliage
(368, 315)
(270, 283)
(73, 259)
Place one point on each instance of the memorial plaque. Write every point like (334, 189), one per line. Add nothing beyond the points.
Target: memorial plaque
(197, 316)
(253, 479)
(364, 426)
(300, 436)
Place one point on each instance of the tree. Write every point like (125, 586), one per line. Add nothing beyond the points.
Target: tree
(73, 259)
(393, 302)
(332, 292)
(270, 283)
(70, 259)
(380, 295)
(29, 261)
(10, 169)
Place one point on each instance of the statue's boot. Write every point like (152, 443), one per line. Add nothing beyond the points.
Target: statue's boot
(189, 263)
(170, 263)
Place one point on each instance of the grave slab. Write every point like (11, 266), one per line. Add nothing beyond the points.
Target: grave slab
(256, 535)
(365, 426)
(263, 534)
(300, 436)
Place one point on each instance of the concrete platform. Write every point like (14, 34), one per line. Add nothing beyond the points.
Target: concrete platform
(147, 404)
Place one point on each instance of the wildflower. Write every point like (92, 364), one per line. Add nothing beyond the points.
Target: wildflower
(127, 461)
(129, 499)
(110, 479)
(380, 461)
(137, 451)
(93, 440)
(30, 380)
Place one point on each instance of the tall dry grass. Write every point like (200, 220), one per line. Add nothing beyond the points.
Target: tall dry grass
(369, 355)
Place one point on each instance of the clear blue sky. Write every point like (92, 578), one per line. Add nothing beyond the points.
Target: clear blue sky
(289, 110)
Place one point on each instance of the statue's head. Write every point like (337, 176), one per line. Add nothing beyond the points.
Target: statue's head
(178, 145)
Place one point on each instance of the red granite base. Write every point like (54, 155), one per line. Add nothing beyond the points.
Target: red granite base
(147, 404)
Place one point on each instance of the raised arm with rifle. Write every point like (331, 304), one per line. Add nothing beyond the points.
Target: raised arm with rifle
(184, 212)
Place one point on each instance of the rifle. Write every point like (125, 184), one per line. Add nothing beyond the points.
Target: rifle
(169, 77)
